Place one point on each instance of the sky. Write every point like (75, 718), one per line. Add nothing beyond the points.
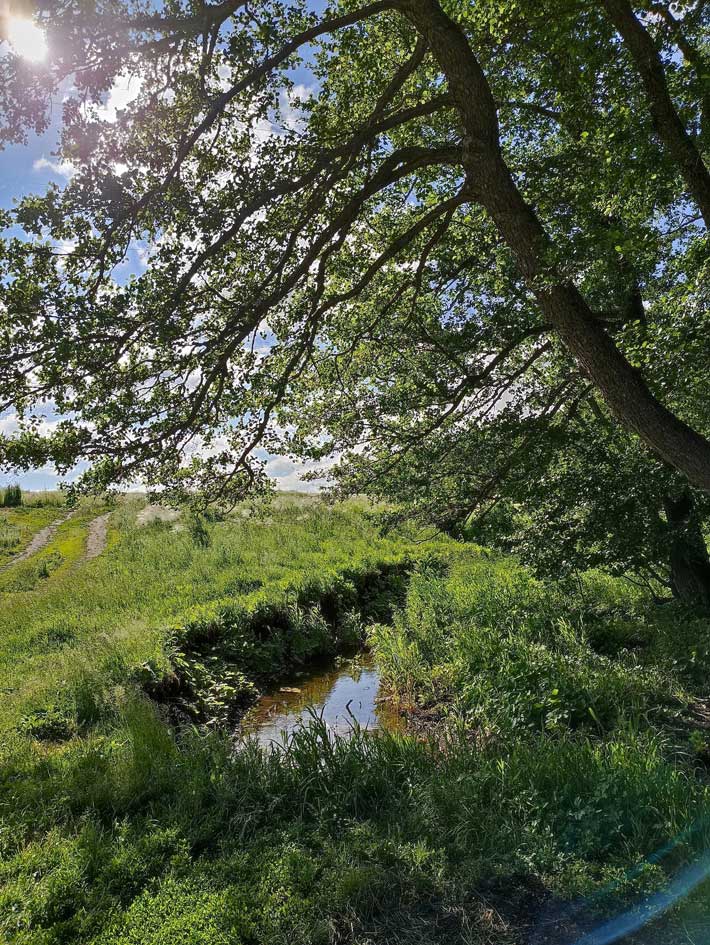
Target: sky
(27, 169)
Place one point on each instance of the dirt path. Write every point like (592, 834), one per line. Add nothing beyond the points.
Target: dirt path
(39, 540)
(98, 533)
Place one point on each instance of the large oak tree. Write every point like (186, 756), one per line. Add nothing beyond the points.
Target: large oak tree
(476, 212)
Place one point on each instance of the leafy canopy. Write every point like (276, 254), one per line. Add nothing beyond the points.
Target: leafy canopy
(471, 224)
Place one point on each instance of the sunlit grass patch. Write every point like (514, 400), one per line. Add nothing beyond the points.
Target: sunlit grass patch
(154, 581)
(59, 555)
(19, 525)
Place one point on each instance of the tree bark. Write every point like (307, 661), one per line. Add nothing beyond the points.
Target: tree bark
(666, 121)
(622, 386)
(689, 561)
(694, 56)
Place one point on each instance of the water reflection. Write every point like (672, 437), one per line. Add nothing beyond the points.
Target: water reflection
(341, 695)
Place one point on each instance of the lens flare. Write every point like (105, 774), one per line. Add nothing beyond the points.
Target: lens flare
(26, 38)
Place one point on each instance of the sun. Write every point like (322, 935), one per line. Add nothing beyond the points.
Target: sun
(26, 38)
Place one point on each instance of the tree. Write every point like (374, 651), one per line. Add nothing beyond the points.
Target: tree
(590, 499)
(511, 199)
(551, 478)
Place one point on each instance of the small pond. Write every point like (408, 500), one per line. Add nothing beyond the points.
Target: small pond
(341, 694)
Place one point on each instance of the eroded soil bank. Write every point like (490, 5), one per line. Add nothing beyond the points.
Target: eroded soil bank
(223, 666)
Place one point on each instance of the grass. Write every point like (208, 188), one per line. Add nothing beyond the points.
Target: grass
(56, 559)
(508, 652)
(19, 525)
(157, 588)
(554, 756)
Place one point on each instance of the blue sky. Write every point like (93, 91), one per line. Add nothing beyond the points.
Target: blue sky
(27, 169)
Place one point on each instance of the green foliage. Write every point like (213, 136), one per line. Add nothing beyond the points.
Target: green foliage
(159, 839)
(198, 530)
(586, 498)
(12, 497)
(364, 324)
(50, 724)
(507, 652)
(117, 826)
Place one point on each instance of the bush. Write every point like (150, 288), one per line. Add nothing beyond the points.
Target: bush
(512, 652)
(12, 497)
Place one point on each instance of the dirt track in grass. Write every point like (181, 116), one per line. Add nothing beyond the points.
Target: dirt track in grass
(38, 541)
(98, 534)
(95, 541)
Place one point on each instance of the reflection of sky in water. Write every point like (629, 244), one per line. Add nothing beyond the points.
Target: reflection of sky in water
(341, 696)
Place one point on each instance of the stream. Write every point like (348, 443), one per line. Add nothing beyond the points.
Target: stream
(342, 694)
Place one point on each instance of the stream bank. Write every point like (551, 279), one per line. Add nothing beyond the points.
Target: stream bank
(225, 661)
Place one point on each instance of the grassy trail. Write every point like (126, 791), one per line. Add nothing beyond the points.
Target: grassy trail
(97, 537)
(20, 527)
(37, 542)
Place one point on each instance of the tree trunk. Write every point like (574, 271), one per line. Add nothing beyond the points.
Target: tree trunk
(492, 184)
(689, 561)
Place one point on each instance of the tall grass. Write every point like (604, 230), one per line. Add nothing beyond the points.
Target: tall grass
(559, 765)
(145, 837)
(9, 535)
(509, 652)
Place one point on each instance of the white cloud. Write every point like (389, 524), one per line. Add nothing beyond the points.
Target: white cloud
(125, 89)
(293, 115)
(64, 248)
(9, 425)
(60, 168)
(144, 251)
(287, 474)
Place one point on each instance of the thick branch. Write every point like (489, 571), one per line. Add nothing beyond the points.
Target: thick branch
(666, 120)
(623, 387)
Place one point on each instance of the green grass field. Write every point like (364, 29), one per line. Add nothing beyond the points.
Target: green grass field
(556, 739)
(18, 526)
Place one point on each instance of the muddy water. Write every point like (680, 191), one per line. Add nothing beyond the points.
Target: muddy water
(341, 695)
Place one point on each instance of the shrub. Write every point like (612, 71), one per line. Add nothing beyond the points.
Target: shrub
(513, 652)
(12, 497)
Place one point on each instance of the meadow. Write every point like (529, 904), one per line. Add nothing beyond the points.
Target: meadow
(553, 771)
(19, 525)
